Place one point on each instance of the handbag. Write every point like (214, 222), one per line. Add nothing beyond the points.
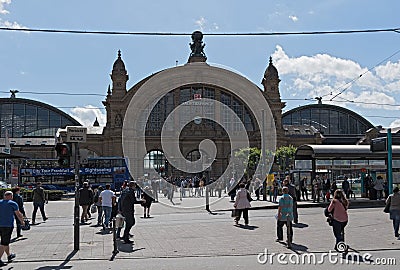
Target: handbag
(329, 216)
(26, 226)
(234, 213)
(93, 209)
(387, 206)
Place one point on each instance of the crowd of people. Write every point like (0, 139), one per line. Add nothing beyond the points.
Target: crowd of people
(108, 203)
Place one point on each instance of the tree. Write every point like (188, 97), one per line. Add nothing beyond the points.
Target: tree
(284, 157)
(252, 155)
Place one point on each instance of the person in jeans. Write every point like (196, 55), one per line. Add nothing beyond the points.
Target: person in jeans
(339, 206)
(39, 199)
(285, 214)
(107, 199)
(394, 209)
(8, 208)
(292, 193)
(242, 204)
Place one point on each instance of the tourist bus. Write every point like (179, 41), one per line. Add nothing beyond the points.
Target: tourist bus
(97, 171)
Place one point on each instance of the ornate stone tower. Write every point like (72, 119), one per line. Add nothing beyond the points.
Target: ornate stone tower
(270, 82)
(119, 77)
(115, 109)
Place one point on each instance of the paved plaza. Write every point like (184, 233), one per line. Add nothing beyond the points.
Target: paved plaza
(192, 238)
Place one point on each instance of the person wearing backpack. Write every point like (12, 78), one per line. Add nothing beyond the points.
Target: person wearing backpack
(339, 206)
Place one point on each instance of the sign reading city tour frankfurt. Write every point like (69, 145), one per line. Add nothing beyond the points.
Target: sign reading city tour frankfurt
(76, 134)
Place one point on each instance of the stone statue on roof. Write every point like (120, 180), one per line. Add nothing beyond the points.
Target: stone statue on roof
(197, 45)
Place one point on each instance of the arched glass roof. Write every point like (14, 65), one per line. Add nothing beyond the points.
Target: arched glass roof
(30, 118)
(328, 119)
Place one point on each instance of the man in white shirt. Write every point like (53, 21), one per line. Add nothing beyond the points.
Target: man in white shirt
(107, 199)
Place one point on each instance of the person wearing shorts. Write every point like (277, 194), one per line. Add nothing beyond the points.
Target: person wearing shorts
(7, 210)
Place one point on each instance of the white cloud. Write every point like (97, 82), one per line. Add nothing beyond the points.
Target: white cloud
(395, 123)
(390, 71)
(13, 25)
(203, 25)
(293, 18)
(87, 115)
(325, 75)
(2, 4)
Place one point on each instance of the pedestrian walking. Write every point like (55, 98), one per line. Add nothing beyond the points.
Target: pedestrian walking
(257, 188)
(346, 187)
(147, 197)
(97, 202)
(292, 193)
(379, 186)
(275, 187)
(338, 207)
(108, 200)
(242, 204)
(20, 201)
(8, 208)
(285, 216)
(394, 209)
(128, 210)
(39, 200)
(85, 200)
(303, 188)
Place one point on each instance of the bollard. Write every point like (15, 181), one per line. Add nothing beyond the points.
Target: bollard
(114, 230)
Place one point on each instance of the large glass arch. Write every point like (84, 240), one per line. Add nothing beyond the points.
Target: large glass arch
(183, 94)
(28, 118)
(328, 119)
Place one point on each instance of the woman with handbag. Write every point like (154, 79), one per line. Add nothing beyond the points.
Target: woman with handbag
(339, 206)
(393, 203)
(242, 204)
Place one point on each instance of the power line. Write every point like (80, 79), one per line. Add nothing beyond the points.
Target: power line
(357, 78)
(57, 93)
(396, 30)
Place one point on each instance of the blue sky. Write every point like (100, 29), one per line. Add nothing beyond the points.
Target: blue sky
(309, 66)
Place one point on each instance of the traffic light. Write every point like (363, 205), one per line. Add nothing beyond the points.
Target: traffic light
(63, 154)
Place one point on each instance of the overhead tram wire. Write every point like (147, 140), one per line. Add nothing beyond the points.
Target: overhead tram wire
(57, 93)
(396, 30)
(362, 74)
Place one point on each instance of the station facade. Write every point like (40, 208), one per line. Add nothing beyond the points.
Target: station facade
(191, 82)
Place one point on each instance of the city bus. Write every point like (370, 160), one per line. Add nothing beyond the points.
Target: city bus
(97, 171)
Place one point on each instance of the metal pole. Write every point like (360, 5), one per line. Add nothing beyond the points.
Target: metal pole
(76, 206)
(389, 158)
(115, 251)
(5, 170)
(207, 195)
(263, 153)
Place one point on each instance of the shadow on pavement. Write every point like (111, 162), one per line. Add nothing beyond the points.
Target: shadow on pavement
(298, 247)
(62, 265)
(300, 225)
(128, 248)
(246, 227)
